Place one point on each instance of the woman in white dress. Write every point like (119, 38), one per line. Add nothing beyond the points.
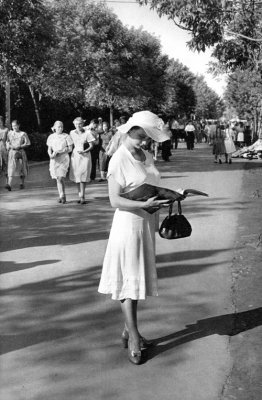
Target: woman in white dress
(59, 146)
(129, 269)
(81, 162)
(16, 143)
(229, 144)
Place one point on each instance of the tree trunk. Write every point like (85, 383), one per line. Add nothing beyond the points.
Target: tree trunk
(111, 116)
(7, 103)
(37, 111)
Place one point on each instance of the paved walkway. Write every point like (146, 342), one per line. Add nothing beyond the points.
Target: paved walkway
(60, 338)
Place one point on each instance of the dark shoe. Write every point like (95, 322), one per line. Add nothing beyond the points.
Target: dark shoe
(220, 162)
(22, 186)
(78, 201)
(83, 201)
(134, 357)
(63, 200)
(59, 200)
(8, 187)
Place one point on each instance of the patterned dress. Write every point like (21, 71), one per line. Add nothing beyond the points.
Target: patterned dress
(59, 165)
(129, 268)
(17, 160)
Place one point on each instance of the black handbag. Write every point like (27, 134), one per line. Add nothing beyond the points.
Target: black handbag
(175, 226)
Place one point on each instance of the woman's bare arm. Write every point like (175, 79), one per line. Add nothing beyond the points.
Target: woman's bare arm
(117, 201)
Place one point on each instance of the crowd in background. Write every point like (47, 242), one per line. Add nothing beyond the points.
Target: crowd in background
(89, 147)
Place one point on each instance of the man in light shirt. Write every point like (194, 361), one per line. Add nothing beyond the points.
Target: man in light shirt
(190, 135)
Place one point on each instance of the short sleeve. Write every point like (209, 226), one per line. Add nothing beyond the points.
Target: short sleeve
(49, 140)
(26, 139)
(115, 170)
(89, 137)
(69, 140)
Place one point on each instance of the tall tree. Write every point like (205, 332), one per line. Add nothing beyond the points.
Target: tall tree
(231, 27)
(25, 36)
(244, 94)
(179, 94)
(208, 103)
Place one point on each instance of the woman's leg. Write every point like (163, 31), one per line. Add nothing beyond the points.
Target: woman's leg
(9, 180)
(60, 186)
(129, 309)
(22, 185)
(82, 190)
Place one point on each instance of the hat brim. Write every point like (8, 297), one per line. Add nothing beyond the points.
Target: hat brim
(157, 134)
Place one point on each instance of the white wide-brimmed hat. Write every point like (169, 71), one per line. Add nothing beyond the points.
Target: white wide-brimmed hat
(153, 126)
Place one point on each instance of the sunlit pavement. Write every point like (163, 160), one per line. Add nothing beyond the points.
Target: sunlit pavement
(60, 339)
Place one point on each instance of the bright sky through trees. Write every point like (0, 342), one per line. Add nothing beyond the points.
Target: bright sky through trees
(173, 39)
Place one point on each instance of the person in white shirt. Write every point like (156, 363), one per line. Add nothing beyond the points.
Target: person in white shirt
(190, 135)
(174, 127)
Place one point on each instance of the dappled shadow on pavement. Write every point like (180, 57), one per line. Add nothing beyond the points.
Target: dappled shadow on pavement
(10, 266)
(177, 269)
(51, 309)
(55, 224)
(70, 305)
(229, 324)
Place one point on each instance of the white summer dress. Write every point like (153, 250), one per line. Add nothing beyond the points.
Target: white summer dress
(59, 165)
(129, 268)
(80, 164)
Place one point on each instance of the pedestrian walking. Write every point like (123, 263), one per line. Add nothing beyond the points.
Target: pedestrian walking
(174, 127)
(17, 164)
(81, 162)
(219, 144)
(229, 144)
(59, 146)
(3, 150)
(129, 269)
(190, 135)
(105, 138)
(211, 131)
(95, 148)
(166, 150)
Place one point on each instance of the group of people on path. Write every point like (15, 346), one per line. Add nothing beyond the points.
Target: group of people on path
(226, 139)
(79, 153)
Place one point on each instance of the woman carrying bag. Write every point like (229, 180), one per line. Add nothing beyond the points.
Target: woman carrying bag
(129, 267)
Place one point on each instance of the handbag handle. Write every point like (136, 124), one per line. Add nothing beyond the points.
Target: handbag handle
(179, 208)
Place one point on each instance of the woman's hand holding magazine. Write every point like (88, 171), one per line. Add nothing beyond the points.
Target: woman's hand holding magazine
(156, 197)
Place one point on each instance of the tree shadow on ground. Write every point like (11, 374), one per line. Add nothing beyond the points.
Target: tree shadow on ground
(10, 266)
(69, 305)
(45, 226)
(52, 309)
(228, 324)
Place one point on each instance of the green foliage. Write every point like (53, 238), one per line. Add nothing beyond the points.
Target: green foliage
(231, 28)
(208, 103)
(73, 55)
(25, 35)
(244, 93)
(37, 151)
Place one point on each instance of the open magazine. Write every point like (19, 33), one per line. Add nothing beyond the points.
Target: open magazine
(146, 191)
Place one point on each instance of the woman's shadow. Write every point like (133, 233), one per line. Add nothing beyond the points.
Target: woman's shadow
(229, 324)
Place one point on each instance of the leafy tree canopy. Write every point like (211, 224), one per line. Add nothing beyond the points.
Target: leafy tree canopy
(231, 27)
